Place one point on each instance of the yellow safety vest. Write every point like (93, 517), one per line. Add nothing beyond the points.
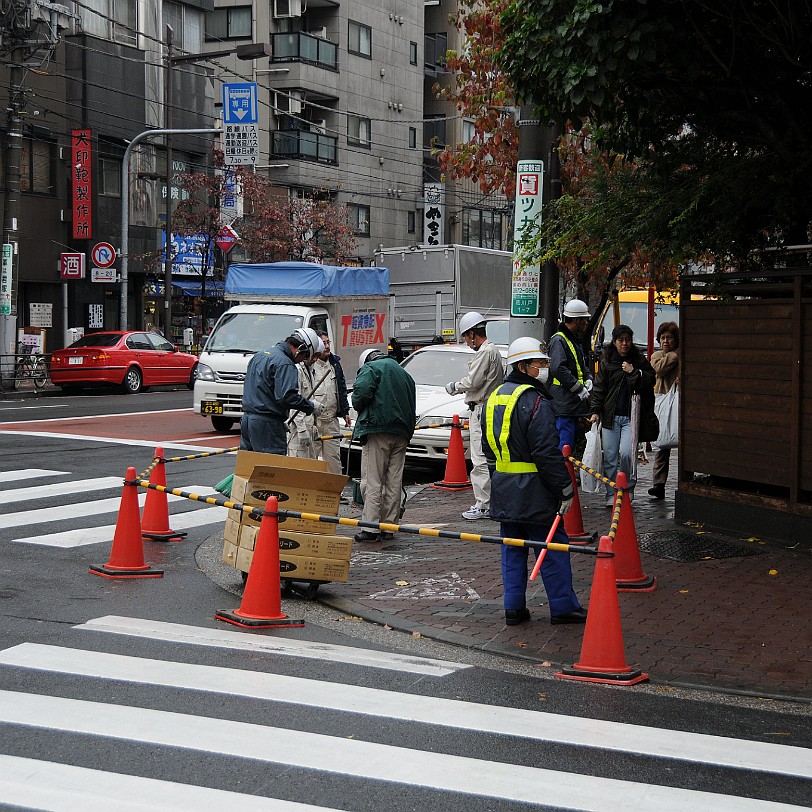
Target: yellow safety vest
(581, 378)
(500, 444)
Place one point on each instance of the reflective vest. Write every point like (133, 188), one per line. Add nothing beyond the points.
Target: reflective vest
(499, 444)
(581, 378)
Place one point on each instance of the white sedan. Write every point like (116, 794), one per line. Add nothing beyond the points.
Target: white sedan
(432, 368)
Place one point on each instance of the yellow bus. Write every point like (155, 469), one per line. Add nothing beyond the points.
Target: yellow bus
(630, 307)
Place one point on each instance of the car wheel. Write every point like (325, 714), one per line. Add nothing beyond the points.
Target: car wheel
(192, 377)
(131, 385)
(222, 423)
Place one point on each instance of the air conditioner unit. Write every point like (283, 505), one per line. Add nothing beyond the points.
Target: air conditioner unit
(319, 127)
(319, 32)
(288, 103)
(287, 8)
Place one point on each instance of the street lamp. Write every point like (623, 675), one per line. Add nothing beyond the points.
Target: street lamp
(250, 51)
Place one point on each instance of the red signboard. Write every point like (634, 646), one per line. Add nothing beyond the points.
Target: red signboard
(81, 162)
(226, 239)
(71, 266)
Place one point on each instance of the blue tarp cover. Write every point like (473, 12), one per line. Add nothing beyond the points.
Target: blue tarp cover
(305, 279)
(193, 287)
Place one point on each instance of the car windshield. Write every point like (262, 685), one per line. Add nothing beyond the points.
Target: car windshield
(251, 332)
(98, 340)
(635, 315)
(437, 368)
(498, 331)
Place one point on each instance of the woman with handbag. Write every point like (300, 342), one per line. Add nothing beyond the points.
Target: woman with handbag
(623, 373)
(666, 367)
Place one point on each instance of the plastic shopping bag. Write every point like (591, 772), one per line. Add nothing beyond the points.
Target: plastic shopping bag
(593, 458)
(666, 408)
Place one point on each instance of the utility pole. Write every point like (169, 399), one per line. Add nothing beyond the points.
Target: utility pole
(534, 299)
(168, 142)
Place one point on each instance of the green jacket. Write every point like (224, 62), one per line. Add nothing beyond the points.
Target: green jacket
(384, 397)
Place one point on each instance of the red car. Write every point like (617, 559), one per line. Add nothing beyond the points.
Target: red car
(132, 360)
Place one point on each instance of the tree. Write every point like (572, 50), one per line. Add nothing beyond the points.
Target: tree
(482, 92)
(713, 100)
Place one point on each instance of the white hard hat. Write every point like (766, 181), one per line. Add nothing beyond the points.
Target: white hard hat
(310, 341)
(367, 355)
(470, 320)
(320, 348)
(576, 309)
(525, 349)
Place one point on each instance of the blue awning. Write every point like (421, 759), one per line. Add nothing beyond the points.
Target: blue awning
(193, 287)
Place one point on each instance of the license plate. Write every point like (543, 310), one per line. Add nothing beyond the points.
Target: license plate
(211, 407)
(76, 359)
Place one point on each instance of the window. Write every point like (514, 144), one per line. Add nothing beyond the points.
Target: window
(412, 137)
(187, 31)
(359, 131)
(468, 132)
(228, 23)
(37, 167)
(411, 222)
(360, 40)
(111, 19)
(412, 53)
(359, 219)
(482, 228)
(159, 342)
(108, 182)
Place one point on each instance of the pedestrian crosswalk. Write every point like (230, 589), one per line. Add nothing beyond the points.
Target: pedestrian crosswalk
(56, 504)
(126, 700)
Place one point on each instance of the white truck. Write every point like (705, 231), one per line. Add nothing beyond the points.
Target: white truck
(432, 287)
(273, 299)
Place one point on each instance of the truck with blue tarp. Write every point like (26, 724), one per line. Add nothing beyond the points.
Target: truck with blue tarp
(270, 300)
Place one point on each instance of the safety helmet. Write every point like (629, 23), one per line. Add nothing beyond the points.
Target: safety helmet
(369, 355)
(576, 309)
(470, 320)
(320, 348)
(310, 341)
(526, 349)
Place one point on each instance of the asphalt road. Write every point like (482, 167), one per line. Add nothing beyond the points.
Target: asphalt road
(136, 682)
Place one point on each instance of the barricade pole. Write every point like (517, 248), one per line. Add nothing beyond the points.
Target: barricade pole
(431, 532)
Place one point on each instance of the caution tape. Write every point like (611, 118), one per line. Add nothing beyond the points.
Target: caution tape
(600, 477)
(258, 513)
(616, 515)
(349, 435)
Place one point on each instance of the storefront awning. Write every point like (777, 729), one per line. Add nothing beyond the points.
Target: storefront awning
(192, 287)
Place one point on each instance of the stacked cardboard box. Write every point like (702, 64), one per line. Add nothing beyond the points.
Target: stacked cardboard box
(306, 549)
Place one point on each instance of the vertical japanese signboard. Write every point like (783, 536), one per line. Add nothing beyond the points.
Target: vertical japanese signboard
(433, 213)
(526, 278)
(6, 280)
(81, 163)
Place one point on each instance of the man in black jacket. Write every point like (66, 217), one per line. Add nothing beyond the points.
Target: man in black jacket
(530, 483)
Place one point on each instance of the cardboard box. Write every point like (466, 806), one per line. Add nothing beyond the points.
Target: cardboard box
(301, 568)
(315, 545)
(231, 532)
(230, 554)
(299, 484)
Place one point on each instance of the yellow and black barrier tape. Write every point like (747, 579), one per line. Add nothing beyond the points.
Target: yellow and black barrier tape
(258, 513)
(616, 515)
(578, 464)
(348, 435)
(203, 454)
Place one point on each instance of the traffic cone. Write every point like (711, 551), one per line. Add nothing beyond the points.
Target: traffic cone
(602, 658)
(155, 520)
(456, 471)
(573, 520)
(261, 606)
(628, 569)
(127, 554)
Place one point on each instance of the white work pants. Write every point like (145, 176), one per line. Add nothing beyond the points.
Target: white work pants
(480, 476)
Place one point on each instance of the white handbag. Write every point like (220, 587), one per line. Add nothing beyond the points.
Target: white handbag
(593, 458)
(666, 407)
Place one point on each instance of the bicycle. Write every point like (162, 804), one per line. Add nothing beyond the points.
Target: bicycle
(30, 365)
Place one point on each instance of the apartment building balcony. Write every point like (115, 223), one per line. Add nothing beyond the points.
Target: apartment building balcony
(305, 145)
(300, 46)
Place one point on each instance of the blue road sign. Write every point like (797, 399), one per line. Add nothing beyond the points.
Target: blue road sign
(240, 103)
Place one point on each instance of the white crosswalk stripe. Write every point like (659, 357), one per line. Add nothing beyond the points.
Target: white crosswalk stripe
(185, 514)
(348, 758)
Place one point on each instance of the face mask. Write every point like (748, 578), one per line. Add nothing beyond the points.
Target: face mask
(543, 375)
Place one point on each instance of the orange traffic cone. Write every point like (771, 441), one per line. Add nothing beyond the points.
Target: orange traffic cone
(155, 520)
(602, 658)
(573, 520)
(628, 569)
(456, 471)
(261, 606)
(127, 554)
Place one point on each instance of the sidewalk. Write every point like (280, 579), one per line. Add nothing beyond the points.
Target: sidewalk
(734, 623)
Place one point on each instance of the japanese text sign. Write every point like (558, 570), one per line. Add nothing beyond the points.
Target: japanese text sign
(81, 184)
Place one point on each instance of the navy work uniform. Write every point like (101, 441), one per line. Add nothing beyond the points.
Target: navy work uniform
(529, 483)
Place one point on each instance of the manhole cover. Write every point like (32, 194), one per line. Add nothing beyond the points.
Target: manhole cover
(684, 546)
